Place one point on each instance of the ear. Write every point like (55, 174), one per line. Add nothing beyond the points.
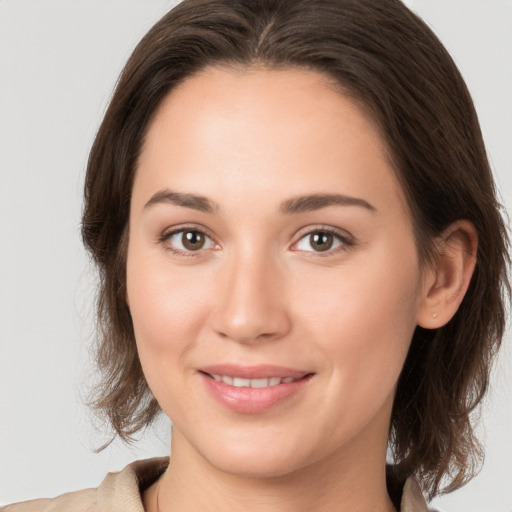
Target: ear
(447, 281)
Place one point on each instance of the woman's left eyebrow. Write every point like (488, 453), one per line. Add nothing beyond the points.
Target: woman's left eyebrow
(313, 202)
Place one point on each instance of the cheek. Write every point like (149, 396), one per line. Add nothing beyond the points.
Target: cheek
(167, 310)
(162, 299)
(363, 321)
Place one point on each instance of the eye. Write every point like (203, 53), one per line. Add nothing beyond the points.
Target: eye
(322, 241)
(188, 240)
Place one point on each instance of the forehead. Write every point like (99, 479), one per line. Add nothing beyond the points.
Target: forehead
(255, 129)
(270, 96)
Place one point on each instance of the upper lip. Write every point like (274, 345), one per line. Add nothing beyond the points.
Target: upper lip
(263, 371)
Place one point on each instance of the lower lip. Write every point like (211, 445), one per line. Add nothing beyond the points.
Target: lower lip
(253, 400)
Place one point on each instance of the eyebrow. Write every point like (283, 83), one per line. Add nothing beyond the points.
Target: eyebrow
(317, 201)
(294, 205)
(195, 202)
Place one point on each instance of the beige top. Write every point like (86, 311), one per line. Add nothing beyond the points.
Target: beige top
(121, 492)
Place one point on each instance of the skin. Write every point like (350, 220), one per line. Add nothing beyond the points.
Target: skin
(258, 292)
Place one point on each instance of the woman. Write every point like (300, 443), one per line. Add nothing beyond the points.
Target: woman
(302, 259)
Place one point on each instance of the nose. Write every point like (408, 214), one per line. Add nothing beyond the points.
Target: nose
(251, 303)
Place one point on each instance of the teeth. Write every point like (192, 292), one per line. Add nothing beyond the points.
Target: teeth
(227, 380)
(239, 382)
(259, 383)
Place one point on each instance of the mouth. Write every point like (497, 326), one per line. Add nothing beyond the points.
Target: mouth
(254, 389)
(240, 382)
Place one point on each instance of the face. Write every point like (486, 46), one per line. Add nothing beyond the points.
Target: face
(272, 274)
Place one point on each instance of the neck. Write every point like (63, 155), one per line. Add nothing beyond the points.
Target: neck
(340, 482)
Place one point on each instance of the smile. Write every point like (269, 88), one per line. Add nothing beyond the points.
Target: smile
(239, 382)
(253, 389)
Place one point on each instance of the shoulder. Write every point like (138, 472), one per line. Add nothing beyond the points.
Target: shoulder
(119, 492)
(79, 501)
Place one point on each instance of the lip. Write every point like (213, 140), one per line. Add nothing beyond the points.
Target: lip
(262, 371)
(249, 400)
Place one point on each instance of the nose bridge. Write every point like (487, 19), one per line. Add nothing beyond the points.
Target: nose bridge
(251, 305)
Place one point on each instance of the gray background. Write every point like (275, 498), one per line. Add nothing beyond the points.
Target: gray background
(59, 60)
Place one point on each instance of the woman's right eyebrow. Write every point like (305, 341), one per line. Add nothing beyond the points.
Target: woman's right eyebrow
(193, 201)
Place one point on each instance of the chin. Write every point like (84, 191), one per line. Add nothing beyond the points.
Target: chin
(254, 457)
(261, 466)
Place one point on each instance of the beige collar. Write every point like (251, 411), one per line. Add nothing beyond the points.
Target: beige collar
(412, 497)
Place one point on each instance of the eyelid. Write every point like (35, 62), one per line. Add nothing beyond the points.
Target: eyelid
(173, 230)
(346, 238)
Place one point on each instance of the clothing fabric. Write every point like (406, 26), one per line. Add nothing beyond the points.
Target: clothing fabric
(121, 492)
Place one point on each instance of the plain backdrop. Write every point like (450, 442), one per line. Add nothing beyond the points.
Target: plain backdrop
(59, 60)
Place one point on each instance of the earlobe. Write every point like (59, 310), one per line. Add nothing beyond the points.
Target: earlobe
(447, 281)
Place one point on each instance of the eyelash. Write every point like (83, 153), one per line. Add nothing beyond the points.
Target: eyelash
(345, 239)
(167, 235)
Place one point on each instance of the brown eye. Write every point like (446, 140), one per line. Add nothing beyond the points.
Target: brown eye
(321, 241)
(192, 240)
(187, 241)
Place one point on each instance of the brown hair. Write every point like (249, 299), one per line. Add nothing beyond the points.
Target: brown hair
(389, 60)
